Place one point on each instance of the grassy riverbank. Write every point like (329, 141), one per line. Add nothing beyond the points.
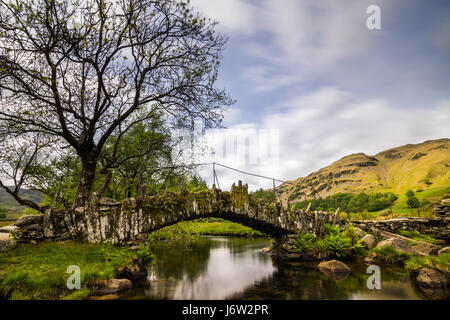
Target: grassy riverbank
(39, 271)
(199, 227)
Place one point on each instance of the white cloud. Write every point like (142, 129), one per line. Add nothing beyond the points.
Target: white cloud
(265, 78)
(292, 41)
(232, 15)
(319, 128)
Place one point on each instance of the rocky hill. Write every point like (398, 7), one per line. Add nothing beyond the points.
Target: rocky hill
(413, 166)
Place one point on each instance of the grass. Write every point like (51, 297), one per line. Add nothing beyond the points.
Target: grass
(439, 263)
(388, 255)
(401, 209)
(214, 226)
(6, 223)
(416, 235)
(39, 271)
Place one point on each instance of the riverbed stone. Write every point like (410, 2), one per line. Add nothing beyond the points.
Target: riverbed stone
(397, 244)
(433, 279)
(427, 248)
(266, 250)
(112, 286)
(334, 266)
(444, 250)
(369, 241)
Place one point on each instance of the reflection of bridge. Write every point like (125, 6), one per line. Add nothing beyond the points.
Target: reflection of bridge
(107, 220)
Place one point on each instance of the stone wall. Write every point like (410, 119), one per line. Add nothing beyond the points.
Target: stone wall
(53, 225)
(107, 220)
(438, 227)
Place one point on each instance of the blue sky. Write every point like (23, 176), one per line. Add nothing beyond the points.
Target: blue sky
(314, 72)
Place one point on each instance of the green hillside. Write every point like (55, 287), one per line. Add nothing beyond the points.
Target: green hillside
(10, 205)
(424, 166)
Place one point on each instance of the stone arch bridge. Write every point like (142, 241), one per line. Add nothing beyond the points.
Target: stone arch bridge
(107, 220)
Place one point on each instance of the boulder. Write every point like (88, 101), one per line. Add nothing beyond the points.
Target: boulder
(135, 270)
(429, 278)
(266, 250)
(334, 266)
(427, 248)
(359, 232)
(444, 250)
(369, 260)
(397, 244)
(112, 286)
(369, 241)
(29, 219)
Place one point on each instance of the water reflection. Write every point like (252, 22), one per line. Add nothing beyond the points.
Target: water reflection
(212, 268)
(234, 268)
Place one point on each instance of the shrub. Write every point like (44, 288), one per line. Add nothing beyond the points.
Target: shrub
(145, 253)
(342, 243)
(304, 241)
(388, 255)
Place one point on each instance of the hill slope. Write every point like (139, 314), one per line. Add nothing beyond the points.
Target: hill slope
(9, 204)
(413, 166)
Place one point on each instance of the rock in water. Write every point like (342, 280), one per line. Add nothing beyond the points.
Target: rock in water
(111, 286)
(397, 244)
(135, 270)
(334, 266)
(433, 279)
(369, 241)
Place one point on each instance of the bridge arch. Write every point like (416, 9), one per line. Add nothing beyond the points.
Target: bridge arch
(107, 220)
(115, 222)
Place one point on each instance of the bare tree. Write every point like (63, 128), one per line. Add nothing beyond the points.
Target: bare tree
(19, 157)
(79, 69)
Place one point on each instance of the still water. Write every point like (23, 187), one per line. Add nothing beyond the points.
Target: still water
(235, 268)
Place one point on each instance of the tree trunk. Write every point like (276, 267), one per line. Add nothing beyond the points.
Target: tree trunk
(105, 185)
(87, 177)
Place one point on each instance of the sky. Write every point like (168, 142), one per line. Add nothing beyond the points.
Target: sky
(313, 83)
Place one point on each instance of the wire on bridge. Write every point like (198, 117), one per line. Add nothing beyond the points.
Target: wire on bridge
(240, 171)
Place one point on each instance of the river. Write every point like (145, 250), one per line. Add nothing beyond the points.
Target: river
(235, 268)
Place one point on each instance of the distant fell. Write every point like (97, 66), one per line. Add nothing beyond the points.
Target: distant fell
(9, 203)
(412, 166)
